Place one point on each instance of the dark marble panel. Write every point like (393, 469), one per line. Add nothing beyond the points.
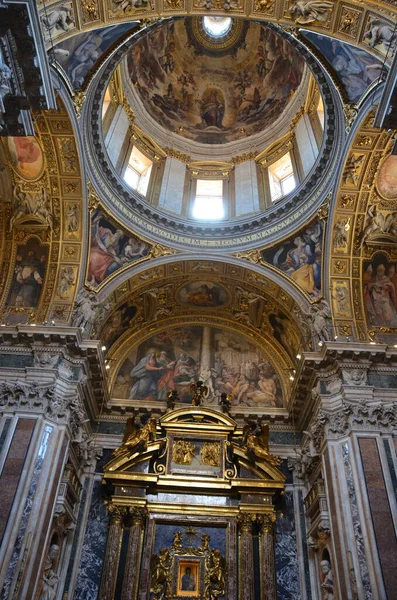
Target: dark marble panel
(390, 462)
(106, 457)
(83, 502)
(284, 468)
(289, 438)
(382, 380)
(304, 545)
(286, 553)
(111, 428)
(4, 432)
(122, 564)
(165, 533)
(93, 550)
(15, 361)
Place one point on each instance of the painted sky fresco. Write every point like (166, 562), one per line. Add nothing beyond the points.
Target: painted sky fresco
(79, 55)
(300, 258)
(226, 362)
(355, 68)
(214, 97)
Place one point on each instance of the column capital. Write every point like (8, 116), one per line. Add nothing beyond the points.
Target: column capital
(116, 513)
(245, 521)
(138, 515)
(266, 522)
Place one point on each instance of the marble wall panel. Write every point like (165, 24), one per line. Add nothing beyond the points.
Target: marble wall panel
(93, 550)
(286, 553)
(381, 513)
(13, 467)
(4, 433)
(390, 463)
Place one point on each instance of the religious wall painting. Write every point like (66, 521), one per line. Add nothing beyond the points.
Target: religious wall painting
(386, 180)
(79, 55)
(202, 293)
(188, 578)
(118, 323)
(72, 219)
(111, 248)
(26, 156)
(226, 362)
(300, 258)
(380, 35)
(29, 275)
(214, 95)
(379, 282)
(355, 68)
(340, 295)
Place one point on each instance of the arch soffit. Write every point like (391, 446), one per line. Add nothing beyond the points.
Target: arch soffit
(62, 179)
(348, 22)
(348, 245)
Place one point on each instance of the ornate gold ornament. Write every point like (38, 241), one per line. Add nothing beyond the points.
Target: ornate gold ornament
(166, 571)
(183, 452)
(78, 99)
(135, 435)
(159, 250)
(258, 443)
(250, 255)
(211, 454)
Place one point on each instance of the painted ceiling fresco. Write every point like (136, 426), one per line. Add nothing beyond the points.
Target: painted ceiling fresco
(353, 67)
(213, 95)
(224, 361)
(79, 55)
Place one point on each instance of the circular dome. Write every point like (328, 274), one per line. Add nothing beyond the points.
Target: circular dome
(201, 79)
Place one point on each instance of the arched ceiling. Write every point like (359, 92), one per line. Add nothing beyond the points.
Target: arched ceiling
(45, 218)
(357, 23)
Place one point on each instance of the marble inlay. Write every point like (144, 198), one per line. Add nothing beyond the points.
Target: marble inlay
(15, 361)
(76, 536)
(25, 515)
(356, 523)
(286, 553)
(93, 550)
(390, 462)
(304, 545)
(4, 432)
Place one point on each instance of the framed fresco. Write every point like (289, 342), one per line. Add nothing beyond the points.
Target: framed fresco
(26, 156)
(111, 248)
(379, 280)
(188, 583)
(29, 275)
(300, 258)
(225, 361)
(202, 293)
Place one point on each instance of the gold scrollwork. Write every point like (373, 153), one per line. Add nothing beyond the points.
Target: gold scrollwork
(211, 454)
(183, 452)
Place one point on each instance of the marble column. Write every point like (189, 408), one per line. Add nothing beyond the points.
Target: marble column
(111, 562)
(246, 590)
(134, 555)
(206, 348)
(266, 553)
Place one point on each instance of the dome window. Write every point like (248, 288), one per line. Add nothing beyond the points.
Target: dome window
(217, 27)
(137, 173)
(281, 177)
(208, 204)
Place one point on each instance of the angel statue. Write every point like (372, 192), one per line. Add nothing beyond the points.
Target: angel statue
(137, 437)
(172, 398)
(198, 392)
(226, 402)
(256, 440)
(160, 567)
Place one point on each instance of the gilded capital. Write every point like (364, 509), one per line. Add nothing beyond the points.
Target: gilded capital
(116, 514)
(245, 521)
(266, 522)
(139, 515)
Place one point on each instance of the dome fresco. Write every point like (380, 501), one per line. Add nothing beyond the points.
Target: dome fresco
(214, 89)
